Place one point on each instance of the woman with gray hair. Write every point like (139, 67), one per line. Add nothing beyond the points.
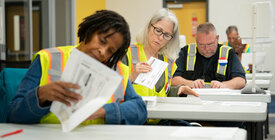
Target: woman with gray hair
(160, 39)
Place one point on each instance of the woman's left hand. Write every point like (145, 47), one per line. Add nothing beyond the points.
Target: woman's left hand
(141, 67)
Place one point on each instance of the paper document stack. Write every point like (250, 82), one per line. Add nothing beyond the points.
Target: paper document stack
(97, 84)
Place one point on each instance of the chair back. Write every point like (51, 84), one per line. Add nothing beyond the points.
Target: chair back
(10, 79)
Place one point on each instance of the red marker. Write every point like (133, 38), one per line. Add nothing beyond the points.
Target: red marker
(12, 133)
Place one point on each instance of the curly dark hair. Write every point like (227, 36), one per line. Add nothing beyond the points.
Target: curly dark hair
(102, 22)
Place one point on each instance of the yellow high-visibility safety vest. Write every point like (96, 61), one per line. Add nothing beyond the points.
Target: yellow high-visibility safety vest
(222, 64)
(52, 70)
(136, 54)
(246, 50)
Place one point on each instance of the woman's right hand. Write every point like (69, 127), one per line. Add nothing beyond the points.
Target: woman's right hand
(141, 67)
(187, 90)
(58, 91)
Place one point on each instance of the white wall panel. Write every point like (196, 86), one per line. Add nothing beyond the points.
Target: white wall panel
(136, 12)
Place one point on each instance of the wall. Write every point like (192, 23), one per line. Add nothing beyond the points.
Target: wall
(62, 19)
(136, 12)
(85, 8)
(191, 11)
(223, 13)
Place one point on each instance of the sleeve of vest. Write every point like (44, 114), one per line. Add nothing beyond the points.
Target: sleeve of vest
(131, 111)
(24, 107)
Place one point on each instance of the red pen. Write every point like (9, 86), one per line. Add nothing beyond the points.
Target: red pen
(12, 133)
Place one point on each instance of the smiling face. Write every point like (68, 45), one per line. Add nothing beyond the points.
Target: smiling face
(102, 46)
(207, 43)
(157, 41)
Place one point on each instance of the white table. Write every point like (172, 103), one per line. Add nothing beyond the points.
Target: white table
(260, 76)
(265, 84)
(232, 95)
(120, 132)
(262, 79)
(235, 95)
(209, 110)
(254, 113)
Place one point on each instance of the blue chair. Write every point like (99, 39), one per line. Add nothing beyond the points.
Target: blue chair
(10, 79)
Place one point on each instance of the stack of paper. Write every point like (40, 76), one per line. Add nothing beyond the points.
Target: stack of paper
(97, 83)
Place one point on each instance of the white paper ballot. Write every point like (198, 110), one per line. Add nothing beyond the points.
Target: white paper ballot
(149, 79)
(97, 84)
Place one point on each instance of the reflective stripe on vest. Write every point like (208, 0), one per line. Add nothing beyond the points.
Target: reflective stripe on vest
(191, 57)
(170, 68)
(171, 65)
(135, 56)
(57, 66)
(246, 48)
(130, 56)
(119, 94)
(224, 53)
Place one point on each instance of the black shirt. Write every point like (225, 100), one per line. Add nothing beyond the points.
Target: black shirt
(236, 69)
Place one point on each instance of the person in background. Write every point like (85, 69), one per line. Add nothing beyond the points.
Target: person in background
(104, 36)
(207, 64)
(235, 41)
(159, 38)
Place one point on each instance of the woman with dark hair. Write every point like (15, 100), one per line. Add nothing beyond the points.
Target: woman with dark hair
(105, 37)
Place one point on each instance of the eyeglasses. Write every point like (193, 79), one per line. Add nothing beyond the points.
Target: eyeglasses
(158, 32)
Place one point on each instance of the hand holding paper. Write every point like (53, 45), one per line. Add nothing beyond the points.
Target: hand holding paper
(97, 83)
(149, 79)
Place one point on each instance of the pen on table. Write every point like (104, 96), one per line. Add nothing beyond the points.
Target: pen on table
(12, 133)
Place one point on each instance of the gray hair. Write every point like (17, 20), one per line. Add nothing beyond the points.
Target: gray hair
(206, 28)
(231, 28)
(172, 48)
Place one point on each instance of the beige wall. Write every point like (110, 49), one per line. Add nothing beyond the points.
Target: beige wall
(136, 12)
(85, 8)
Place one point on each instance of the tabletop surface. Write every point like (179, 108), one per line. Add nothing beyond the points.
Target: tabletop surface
(260, 76)
(195, 109)
(121, 132)
(232, 95)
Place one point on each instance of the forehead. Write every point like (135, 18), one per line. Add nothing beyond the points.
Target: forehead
(116, 39)
(205, 38)
(165, 24)
(233, 33)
